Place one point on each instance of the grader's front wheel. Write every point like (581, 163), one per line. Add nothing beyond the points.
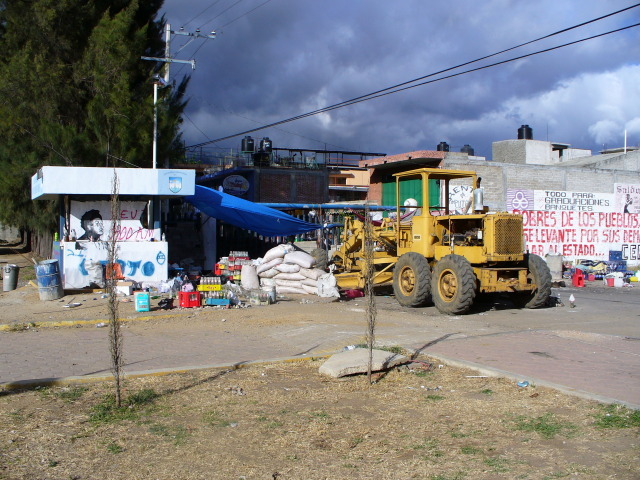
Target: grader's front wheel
(454, 287)
(539, 275)
(412, 280)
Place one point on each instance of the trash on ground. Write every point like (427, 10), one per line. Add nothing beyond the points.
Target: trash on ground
(166, 303)
(235, 390)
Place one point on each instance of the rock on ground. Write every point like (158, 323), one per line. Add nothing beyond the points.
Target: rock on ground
(355, 361)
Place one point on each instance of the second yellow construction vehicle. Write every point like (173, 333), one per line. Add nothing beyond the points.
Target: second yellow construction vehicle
(443, 246)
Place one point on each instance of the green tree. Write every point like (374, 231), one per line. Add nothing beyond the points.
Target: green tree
(74, 91)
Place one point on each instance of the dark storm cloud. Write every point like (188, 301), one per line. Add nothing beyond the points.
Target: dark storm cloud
(289, 57)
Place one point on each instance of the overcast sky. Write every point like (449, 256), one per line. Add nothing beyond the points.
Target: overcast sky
(275, 59)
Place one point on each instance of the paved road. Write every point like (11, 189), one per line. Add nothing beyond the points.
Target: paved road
(591, 350)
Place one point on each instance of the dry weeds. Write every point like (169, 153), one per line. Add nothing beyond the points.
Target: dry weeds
(285, 421)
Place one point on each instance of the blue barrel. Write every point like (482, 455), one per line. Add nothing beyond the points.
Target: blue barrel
(49, 282)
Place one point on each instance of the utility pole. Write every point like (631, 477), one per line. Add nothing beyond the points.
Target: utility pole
(167, 60)
(167, 48)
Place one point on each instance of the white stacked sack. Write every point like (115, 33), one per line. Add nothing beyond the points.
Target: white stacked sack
(289, 270)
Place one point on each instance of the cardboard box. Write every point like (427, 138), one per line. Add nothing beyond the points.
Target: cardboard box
(124, 288)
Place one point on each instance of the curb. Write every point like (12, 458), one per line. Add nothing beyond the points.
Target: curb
(78, 380)
(489, 371)
(6, 327)
(495, 372)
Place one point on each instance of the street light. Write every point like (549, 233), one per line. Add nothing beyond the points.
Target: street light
(157, 80)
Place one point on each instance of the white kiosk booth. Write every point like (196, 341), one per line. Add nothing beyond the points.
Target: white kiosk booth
(85, 219)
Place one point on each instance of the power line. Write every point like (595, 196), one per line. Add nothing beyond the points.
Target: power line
(220, 14)
(223, 26)
(202, 12)
(244, 14)
(193, 123)
(231, 112)
(395, 89)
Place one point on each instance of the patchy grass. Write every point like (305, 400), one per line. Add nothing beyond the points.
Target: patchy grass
(468, 450)
(177, 434)
(497, 465)
(114, 448)
(107, 412)
(547, 426)
(434, 398)
(215, 418)
(71, 394)
(22, 327)
(617, 416)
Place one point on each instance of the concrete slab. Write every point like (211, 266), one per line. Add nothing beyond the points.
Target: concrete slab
(355, 361)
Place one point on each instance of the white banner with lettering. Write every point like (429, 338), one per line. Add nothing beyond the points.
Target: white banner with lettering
(580, 225)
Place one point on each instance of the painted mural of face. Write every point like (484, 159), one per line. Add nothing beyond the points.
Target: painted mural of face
(92, 224)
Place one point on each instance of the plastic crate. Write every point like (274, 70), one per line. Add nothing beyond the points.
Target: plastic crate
(189, 299)
(615, 255)
(617, 266)
(216, 301)
(209, 288)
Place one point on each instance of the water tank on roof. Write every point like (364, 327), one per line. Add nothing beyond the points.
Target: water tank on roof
(468, 150)
(525, 133)
(266, 145)
(443, 147)
(248, 145)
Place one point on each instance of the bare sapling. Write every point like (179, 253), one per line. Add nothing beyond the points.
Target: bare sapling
(115, 334)
(372, 313)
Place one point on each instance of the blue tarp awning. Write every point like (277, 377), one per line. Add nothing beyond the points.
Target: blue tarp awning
(245, 214)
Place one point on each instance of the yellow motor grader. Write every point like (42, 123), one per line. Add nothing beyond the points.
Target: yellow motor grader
(443, 246)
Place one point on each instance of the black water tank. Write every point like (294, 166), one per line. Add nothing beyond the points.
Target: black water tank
(468, 150)
(248, 145)
(266, 145)
(525, 133)
(443, 147)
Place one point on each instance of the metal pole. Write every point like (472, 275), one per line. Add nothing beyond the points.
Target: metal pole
(155, 123)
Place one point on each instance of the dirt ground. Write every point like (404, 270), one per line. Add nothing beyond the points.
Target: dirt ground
(286, 421)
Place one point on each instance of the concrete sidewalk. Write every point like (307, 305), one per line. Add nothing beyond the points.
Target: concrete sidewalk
(601, 367)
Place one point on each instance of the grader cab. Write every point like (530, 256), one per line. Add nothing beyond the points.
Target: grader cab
(443, 246)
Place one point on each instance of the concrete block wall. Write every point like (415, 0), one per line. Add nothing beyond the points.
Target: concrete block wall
(590, 180)
(498, 178)
(629, 162)
(9, 235)
(534, 152)
(627, 177)
(509, 151)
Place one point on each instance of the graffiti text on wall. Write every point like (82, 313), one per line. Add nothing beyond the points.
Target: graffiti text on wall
(84, 262)
(92, 221)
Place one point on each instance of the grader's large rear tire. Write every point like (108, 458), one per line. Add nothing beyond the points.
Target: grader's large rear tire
(539, 274)
(412, 280)
(454, 285)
